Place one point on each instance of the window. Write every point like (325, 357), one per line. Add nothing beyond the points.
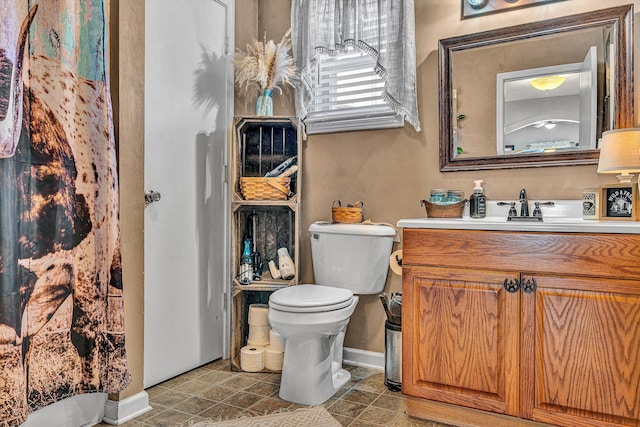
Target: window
(348, 94)
(357, 64)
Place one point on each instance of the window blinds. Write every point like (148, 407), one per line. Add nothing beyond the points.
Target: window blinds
(347, 92)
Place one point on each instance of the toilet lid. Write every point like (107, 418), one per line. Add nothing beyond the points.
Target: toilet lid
(310, 298)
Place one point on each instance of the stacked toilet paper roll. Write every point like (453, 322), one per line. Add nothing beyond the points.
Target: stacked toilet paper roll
(273, 358)
(265, 347)
(276, 341)
(274, 352)
(259, 314)
(252, 358)
(258, 335)
(258, 325)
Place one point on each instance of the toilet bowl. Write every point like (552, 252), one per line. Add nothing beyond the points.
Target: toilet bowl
(313, 318)
(312, 367)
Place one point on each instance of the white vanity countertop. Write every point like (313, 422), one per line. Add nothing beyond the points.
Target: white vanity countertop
(565, 216)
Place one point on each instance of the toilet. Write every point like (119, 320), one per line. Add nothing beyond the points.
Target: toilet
(348, 260)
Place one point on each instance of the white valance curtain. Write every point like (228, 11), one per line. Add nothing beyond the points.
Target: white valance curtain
(384, 29)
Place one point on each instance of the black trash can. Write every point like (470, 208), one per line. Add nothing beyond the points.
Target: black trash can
(393, 341)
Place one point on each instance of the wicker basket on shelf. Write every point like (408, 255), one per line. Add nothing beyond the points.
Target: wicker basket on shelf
(350, 214)
(262, 188)
(435, 210)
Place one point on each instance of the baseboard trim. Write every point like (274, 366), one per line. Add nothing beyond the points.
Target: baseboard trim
(461, 416)
(357, 357)
(121, 411)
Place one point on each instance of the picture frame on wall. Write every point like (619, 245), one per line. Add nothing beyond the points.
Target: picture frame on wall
(473, 8)
(619, 202)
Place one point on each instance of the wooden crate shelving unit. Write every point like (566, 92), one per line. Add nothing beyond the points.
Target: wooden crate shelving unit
(259, 144)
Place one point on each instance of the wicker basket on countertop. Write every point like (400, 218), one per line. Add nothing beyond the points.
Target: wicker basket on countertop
(435, 210)
(262, 188)
(350, 214)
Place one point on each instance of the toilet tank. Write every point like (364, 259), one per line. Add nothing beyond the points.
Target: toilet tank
(351, 256)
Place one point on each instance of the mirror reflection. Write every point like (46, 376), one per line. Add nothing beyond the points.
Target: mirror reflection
(537, 94)
(550, 109)
(509, 69)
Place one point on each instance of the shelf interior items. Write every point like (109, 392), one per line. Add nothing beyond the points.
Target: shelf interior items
(264, 146)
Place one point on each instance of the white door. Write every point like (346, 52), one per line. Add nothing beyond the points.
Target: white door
(188, 111)
(589, 99)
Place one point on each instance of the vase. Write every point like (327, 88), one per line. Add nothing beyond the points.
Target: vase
(264, 103)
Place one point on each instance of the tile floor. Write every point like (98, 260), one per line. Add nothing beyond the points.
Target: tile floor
(215, 392)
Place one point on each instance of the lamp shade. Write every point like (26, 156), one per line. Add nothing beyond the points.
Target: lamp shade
(620, 151)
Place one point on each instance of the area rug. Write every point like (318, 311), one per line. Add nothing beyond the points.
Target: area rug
(311, 417)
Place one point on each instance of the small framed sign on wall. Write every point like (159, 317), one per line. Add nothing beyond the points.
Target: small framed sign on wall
(472, 8)
(619, 202)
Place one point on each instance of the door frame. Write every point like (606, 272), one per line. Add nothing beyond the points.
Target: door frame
(229, 112)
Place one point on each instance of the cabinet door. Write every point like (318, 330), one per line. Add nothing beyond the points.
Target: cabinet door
(460, 335)
(581, 352)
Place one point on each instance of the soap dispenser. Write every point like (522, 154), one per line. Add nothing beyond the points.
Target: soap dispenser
(478, 201)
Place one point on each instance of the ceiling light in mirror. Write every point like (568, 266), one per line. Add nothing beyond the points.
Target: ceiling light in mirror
(547, 82)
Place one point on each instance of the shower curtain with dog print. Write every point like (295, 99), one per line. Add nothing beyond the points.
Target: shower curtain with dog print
(61, 308)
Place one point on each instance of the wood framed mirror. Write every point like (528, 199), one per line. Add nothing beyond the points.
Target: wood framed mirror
(471, 66)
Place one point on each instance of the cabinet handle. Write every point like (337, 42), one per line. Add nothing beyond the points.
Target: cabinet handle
(512, 285)
(529, 286)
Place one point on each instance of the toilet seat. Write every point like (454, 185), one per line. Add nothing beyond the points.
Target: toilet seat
(310, 299)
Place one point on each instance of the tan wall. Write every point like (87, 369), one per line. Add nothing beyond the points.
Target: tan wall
(391, 170)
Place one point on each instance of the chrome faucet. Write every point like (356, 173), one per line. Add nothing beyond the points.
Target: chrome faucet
(524, 203)
(537, 212)
(524, 209)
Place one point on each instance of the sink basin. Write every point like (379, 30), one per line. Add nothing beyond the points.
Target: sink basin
(564, 220)
(525, 219)
(565, 216)
(549, 219)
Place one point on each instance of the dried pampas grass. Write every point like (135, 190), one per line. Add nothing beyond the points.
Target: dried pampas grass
(265, 64)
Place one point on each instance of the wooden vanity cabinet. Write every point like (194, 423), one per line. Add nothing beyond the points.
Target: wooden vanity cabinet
(564, 352)
(460, 337)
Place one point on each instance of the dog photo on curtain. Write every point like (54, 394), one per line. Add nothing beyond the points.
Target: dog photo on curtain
(61, 307)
